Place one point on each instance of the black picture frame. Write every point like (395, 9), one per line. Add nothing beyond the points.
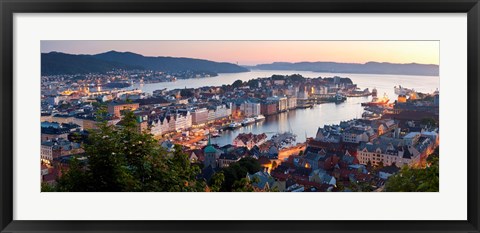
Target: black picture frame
(9, 7)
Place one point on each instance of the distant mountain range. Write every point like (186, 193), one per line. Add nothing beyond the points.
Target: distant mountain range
(55, 63)
(367, 68)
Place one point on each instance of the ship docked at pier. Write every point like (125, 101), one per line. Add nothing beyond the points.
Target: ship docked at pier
(378, 101)
(402, 90)
(234, 125)
(259, 118)
(248, 121)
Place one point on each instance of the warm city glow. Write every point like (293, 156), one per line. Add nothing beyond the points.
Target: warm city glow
(189, 125)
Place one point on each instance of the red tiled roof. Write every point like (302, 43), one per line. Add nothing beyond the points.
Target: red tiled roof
(280, 176)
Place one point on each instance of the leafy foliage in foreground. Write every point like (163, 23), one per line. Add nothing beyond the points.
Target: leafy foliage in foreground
(235, 175)
(416, 180)
(125, 160)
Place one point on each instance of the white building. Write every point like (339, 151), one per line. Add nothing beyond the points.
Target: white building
(211, 115)
(355, 136)
(292, 102)
(46, 152)
(282, 102)
(183, 120)
(302, 93)
(222, 111)
(387, 154)
(321, 90)
(199, 116)
(250, 109)
(160, 126)
(292, 90)
(411, 138)
(219, 112)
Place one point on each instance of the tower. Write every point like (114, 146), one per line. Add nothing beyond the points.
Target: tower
(210, 155)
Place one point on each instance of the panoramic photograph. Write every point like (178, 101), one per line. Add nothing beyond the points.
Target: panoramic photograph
(239, 116)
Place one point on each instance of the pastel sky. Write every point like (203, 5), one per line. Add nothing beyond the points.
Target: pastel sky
(259, 52)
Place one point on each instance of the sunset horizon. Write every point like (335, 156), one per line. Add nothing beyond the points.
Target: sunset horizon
(265, 52)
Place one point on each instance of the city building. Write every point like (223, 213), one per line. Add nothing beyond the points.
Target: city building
(226, 159)
(250, 108)
(291, 102)
(387, 154)
(116, 108)
(355, 136)
(51, 133)
(199, 116)
(53, 149)
(280, 101)
(268, 108)
(249, 140)
(211, 155)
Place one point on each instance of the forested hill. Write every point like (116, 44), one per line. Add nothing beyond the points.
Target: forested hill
(55, 63)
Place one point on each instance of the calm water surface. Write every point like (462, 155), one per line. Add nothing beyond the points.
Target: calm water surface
(305, 122)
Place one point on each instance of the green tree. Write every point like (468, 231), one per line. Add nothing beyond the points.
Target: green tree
(429, 122)
(237, 84)
(339, 186)
(415, 179)
(73, 180)
(251, 164)
(252, 83)
(278, 77)
(296, 78)
(75, 137)
(47, 187)
(238, 170)
(122, 159)
(99, 105)
(216, 182)
(187, 93)
(107, 162)
(244, 185)
(433, 158)
(179, 175)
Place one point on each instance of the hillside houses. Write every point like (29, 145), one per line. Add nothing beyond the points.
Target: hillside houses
(387, 154)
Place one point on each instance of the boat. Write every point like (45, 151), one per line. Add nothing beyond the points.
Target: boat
(378, 101)
(370, 115)
(259, 118)
(402, 90)
(304, 106)
(234, 125)
(248, 121)
(284, 139)
(214, 133)
(340, 98)
(358, 93)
